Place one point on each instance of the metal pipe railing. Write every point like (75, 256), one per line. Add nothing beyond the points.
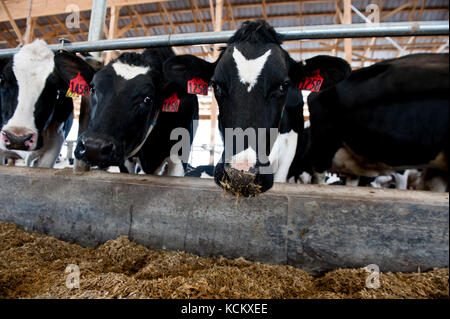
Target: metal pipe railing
(394, 29)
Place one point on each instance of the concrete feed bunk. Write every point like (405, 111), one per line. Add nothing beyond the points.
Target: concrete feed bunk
(315, 228)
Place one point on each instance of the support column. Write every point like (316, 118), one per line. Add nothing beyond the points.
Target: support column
(112, 31)
(217, 28)
(98, 14)
(30, 24)
(348, 41)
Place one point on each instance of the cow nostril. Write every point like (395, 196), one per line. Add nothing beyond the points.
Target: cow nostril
(5, 139)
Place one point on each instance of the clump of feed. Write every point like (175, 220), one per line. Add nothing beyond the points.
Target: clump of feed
(240, 183)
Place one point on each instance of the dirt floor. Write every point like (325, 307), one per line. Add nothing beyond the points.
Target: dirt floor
(33, 266)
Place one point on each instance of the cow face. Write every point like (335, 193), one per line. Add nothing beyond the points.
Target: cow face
(32, 89)
(124, 97)
(255, 83)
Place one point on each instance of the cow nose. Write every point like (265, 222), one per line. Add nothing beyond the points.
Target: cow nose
(22, 140)
(107, 148)
(96, 151)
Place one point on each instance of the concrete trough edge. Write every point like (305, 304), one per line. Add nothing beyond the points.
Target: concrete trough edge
(316, 228)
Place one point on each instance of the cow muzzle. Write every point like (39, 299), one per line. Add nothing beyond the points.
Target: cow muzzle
(98, 151)
(18, 138)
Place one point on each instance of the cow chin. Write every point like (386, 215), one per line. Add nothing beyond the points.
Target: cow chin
(242, 183)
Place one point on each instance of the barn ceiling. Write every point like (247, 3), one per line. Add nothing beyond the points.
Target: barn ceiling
(131, 18)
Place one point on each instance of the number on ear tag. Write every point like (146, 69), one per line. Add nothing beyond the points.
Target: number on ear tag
(197, 86)
(78, 87)
(312, 83)
(171, 104)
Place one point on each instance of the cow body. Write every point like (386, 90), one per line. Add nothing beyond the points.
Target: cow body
(129, 119)
(36, 115)
(392, 116)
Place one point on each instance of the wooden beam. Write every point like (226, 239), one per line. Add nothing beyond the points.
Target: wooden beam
(18, 8)
(236, 20)
(141, 22)
(348, 41)
(11, 21)
(211, 12)
(169, 18)
(264, 9)
(397, 10)
(217, 28)
(63, 26)
(47, 7)
(115, 10)
(10, 39)
(194, 16)
(28, 37)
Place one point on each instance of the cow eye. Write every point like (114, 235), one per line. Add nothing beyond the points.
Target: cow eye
(284, 87)
(2, 81)
(148, 100)
(92, 89)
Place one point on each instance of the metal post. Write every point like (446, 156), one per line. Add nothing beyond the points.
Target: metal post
(98, 15)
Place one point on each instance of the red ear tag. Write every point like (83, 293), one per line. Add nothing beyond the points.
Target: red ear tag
(171, 104)
(78, 86)
(197, 86)
(312, 83)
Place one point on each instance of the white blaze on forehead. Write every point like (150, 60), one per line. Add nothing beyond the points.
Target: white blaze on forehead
(128, 71)
(249, 69)
(31, 65)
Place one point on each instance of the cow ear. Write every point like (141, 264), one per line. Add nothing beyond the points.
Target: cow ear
(69, 65)
(182, 68)
(331, 69)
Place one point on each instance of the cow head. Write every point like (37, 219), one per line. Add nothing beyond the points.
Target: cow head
(33, 84)
(255, 83)
(125, 96)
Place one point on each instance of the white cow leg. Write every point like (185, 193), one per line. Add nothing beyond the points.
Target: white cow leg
(175, 169)
(305, 178)
(401, 180)
(131, 165)
(352, 181)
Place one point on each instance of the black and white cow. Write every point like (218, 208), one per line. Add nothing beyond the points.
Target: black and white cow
(36, 114)
(131, 115)
(387, 117)
(255, 83)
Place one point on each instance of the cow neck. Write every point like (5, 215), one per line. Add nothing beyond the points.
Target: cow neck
(150, 129)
